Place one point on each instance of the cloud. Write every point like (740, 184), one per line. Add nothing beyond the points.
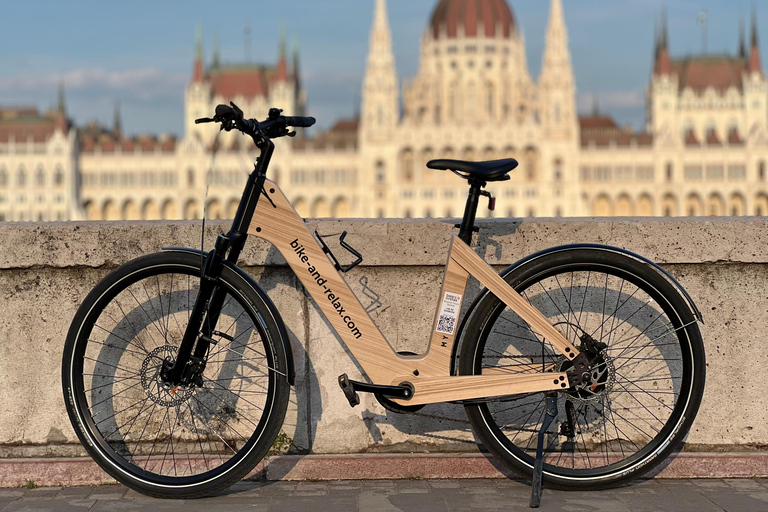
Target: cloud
(145, 83)
(632, 98)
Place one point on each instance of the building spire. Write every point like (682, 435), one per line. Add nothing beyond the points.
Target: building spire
(197, 74)
(380, 88)
(557, 83)
(62, 106)
(662, 64)
(556, 53)
(742, 41)
(296, 79)
(118, 126)
(282, 64)
(215, 58)
(754, 51)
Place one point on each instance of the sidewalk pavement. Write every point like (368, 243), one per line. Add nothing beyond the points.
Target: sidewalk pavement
(742, 495)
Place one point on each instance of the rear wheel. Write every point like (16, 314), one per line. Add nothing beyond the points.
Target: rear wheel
(163, 440)
(647, 372)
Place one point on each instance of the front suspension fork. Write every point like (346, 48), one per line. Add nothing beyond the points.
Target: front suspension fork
(190, 358)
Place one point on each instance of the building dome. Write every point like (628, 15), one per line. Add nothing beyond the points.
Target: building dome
(478, 18)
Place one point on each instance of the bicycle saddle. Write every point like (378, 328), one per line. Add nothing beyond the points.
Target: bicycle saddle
(492, 170)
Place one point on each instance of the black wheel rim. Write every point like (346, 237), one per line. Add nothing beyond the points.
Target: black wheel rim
(615, 431)
(161, 435)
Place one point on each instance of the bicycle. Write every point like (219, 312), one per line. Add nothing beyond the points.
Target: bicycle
(177, 367)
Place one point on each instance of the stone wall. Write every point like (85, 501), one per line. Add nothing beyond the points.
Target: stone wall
(47, 269)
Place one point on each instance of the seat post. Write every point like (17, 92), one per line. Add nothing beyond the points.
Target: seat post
(470, 211)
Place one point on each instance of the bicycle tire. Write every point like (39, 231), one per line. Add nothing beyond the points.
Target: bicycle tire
(644, 397)
(209, 437)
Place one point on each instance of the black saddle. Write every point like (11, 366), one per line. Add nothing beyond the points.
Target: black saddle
(492, 170)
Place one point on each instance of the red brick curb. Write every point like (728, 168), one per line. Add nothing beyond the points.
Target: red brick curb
(83, 471)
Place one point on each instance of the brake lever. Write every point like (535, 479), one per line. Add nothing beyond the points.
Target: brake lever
(204, 120)
(237, 110)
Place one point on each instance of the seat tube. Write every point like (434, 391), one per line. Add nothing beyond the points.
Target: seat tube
(470, 211)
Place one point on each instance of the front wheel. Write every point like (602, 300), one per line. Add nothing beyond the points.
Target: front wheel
(163, 440)
(647, 377)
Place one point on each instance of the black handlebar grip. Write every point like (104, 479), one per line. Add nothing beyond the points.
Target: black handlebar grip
(299, 122)
(224, 110)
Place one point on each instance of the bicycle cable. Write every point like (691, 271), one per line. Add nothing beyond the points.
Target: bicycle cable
(214, 150)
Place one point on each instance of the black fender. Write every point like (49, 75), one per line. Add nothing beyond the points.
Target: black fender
(561, 248)
(270, 305)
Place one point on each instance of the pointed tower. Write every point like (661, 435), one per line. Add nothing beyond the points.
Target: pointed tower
(754, 51)
(742, 42)
(557, 87)
(197, 94)
(216, 57)
(662, 65)
(62, 105)
(662, 95)
(755, 88)
(380, 111)
(282, 62)
(117, 130)
(198, 71)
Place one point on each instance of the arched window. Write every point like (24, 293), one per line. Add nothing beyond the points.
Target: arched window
(21, 177)
(406, 165)
(381, 174)
(452, 101)
(190, 177)
(489, 105)
(3, 177)
(40, 176)
(558, 170)
(670, 172)
(58, 176)
(761, 170)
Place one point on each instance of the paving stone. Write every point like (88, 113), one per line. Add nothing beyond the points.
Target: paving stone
(479, 487)
(108, 492)
(413, 486)
(418, 502)
(304, 503)
(42, 493)
(30, 505)
(378, 487)
(743, 483)
(80, 491)
(241, 489)
(311, 489)
(486, 503)
(345, 484)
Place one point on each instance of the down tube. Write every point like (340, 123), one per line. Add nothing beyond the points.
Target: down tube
(283, 227)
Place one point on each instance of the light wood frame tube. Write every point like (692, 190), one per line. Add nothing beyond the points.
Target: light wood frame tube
(278, 223)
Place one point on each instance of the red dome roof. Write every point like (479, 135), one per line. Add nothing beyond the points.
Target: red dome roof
(478, 17)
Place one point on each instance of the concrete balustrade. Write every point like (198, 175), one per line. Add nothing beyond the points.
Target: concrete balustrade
(47, 269)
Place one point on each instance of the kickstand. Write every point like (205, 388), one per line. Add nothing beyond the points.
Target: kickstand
(538, 466)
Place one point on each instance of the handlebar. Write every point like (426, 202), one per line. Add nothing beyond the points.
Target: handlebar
(276, 125)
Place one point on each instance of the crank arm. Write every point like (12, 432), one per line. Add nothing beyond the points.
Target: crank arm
(431, 390)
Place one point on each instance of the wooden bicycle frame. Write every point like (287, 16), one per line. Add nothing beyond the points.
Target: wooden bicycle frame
(277, 222)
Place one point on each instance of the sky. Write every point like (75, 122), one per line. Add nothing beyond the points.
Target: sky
(140, 53)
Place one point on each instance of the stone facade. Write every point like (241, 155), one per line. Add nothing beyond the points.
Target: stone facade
(703, 151)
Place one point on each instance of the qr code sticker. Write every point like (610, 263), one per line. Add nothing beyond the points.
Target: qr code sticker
(449, 312)
(445, 324)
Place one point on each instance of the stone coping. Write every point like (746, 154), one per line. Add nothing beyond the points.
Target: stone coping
(396, 242)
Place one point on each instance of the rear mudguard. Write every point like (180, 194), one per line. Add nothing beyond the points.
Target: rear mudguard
(561, 248)
(270, 305)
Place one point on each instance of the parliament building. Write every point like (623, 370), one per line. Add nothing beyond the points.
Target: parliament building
(703, 150)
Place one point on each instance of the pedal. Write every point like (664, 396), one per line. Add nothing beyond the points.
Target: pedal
(538, 466)
(349, 391)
